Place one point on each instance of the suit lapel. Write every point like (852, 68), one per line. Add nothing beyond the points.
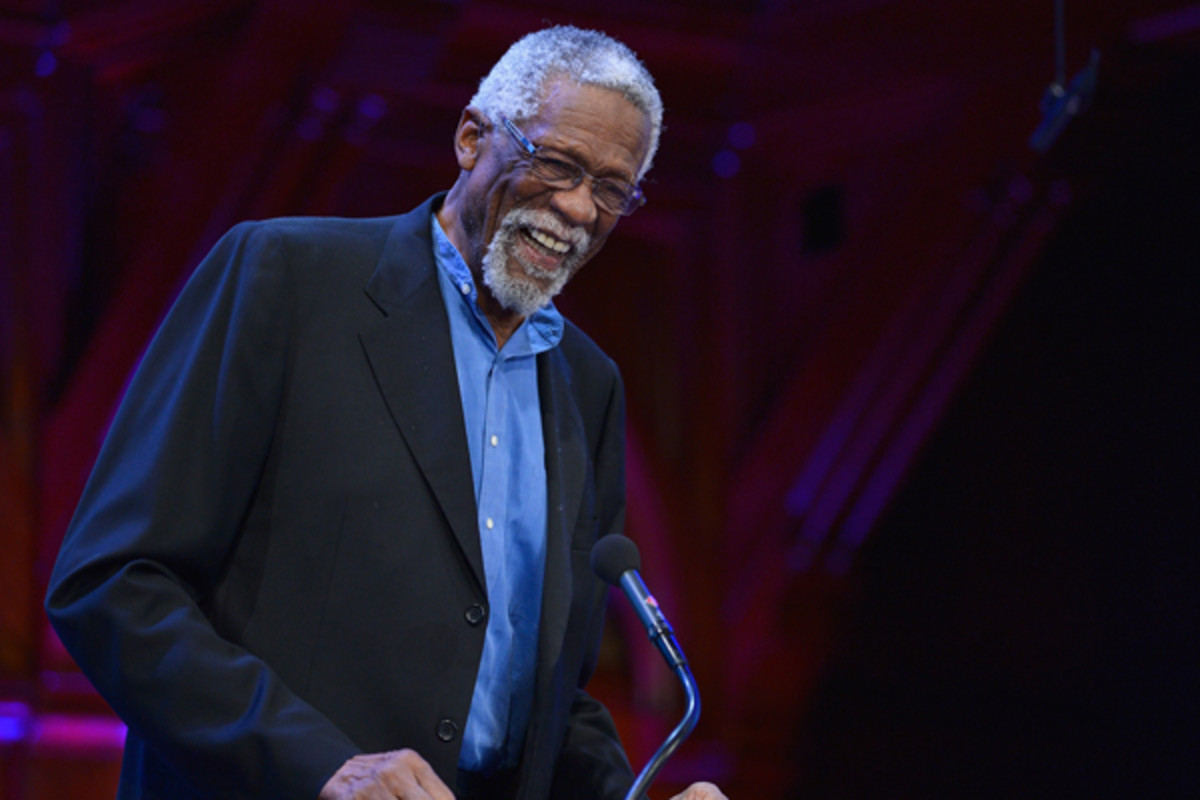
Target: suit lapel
(566, 477)
(413, 339)
(566, 474)
(412, 358)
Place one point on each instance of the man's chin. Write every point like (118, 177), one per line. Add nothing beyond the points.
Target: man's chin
(521, 293)
(517, 284)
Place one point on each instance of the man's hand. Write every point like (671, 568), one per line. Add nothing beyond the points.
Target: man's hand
(701, 791)
(398, 775)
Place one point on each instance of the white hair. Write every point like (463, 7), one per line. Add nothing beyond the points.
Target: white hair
(515, 85)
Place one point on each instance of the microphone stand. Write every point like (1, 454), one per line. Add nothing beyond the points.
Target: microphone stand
(690, 716)
(664, 639)
(1062, 102)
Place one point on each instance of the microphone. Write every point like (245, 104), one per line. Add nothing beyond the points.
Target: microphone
(1062, 104)
(616, 561)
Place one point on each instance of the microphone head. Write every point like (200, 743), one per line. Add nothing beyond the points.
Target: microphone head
(614, 555)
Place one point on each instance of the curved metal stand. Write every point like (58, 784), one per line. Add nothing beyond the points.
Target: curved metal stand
(690, 716)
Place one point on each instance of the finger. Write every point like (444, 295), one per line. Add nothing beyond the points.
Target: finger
(398, 779)
(430, 781)
(701, 790)
(362, 788)
(374, 790)
(352, 780)
(410, 777)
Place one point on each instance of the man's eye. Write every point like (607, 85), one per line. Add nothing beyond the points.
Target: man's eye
(556, 168)
(611, 194)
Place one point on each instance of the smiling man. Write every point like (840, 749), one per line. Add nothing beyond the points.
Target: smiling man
(531, 215)
(336, 543)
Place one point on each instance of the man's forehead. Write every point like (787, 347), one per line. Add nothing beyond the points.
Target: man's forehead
(558, 91)
(589, 116)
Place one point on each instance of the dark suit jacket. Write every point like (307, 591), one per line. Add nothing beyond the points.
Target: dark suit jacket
(276, 565)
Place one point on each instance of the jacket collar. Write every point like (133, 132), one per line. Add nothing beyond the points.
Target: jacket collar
(411, 356)
(413, 339)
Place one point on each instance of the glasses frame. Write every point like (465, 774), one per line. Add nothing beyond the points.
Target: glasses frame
(636, 199)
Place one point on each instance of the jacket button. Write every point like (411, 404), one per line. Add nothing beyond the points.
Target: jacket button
(476, 614)
(447, 730)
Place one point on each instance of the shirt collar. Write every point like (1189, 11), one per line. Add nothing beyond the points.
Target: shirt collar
(541, 330)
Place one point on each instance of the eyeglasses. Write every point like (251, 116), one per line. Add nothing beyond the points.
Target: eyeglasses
(611, 195)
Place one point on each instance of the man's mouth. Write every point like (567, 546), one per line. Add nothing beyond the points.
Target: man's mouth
(531, 256)
(549, 243)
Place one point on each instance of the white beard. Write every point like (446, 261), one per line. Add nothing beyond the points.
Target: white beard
(527, 288)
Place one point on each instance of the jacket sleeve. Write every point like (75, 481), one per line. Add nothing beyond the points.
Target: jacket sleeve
(592, 762)
(157, 521)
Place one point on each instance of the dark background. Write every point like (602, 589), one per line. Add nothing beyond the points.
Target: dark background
(913, 443)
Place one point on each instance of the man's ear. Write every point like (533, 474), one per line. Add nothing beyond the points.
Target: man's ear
(471, 127)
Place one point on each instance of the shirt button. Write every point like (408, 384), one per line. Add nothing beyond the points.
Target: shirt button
(465, 288)
(490, 523)
(476, 614)
(495, 440)
(447, 730)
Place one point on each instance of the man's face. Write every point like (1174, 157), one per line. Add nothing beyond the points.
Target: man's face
(526, 238)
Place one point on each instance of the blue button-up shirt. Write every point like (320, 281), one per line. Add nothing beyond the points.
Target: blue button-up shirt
(503, 420)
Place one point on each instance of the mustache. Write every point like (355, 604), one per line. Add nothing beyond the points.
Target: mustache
(547, 221)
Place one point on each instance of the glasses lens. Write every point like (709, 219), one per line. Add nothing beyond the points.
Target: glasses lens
(555, 171)
(614, 198)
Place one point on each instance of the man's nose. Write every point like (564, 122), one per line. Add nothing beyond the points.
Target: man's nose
(576, 205)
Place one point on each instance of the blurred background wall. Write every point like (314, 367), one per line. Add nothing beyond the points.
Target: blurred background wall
(913, 451)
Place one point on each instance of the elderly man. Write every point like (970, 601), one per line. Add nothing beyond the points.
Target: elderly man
(336, 543)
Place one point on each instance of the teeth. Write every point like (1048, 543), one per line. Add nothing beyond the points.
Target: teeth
(549, 242)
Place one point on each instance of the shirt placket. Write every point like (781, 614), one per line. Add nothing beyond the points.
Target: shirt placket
(493, 512)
